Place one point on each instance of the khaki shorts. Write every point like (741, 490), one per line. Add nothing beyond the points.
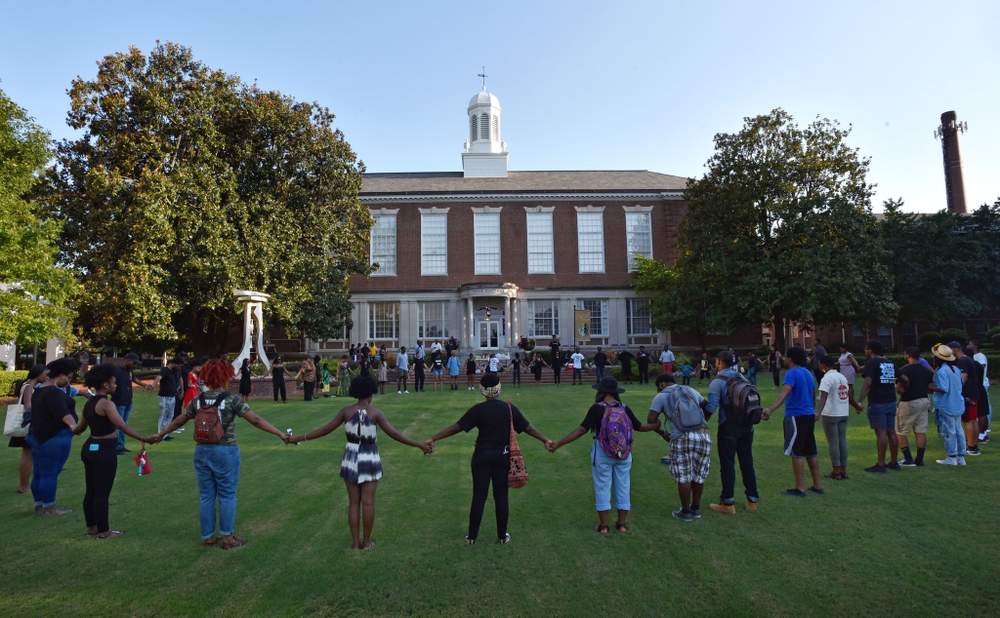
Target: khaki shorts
(912, 416)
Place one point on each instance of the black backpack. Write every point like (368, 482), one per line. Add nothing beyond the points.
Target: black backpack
(745, 405)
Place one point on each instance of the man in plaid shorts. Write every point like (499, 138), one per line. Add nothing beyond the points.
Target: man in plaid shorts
(690, 441)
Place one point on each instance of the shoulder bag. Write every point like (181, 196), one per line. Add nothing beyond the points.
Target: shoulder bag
(517, 475)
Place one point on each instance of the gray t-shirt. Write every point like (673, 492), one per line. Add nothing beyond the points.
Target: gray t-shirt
(665, 402)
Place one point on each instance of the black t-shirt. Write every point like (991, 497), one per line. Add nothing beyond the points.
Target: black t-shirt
(470, 367)
(883, 375)
(915, 379)
(123, 387)
(970, 389)
(49, 405)
(492, 418)
(643, 359)
(600, 359)
(592, 422)
(168, 382)
(625, 358)
(554, 347)
(436, 359)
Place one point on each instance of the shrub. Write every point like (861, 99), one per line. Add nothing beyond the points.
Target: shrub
(7, 381)
(929, 338)
(954, 334)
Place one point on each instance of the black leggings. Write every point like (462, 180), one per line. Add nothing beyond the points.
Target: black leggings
(489, 465)
(308, 387)
(556, 374)
(279, 388)
(516, 377)
(99, 468)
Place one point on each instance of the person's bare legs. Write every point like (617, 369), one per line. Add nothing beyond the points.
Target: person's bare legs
(696, 489)
(602, 518)
(880, 441)
(368, 506)
(354, 512)
(921, 440)
(684, 492)
(797, 472)
(814, 469)
(24, 471)
(622, 517)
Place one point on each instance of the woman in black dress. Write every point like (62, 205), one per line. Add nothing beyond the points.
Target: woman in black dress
(537, 364)
(245, 386)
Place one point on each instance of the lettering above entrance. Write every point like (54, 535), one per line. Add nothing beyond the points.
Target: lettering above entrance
(492, 290)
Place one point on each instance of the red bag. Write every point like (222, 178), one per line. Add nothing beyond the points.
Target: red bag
(142, 462)
(208, 428)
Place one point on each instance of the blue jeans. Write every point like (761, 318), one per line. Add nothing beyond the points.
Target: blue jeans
(599, 370)
(950, 428)
(167, 405)
(218, 470)
(124, 412)
(48, 459)
(607, 472)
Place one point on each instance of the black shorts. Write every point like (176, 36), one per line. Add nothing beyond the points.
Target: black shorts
(800, 437)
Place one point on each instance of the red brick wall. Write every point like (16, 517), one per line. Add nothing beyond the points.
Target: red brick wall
(666, 216)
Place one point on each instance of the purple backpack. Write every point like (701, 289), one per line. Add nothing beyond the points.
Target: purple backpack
(615, 436)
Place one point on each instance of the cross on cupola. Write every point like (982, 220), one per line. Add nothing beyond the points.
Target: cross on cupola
(484, 76)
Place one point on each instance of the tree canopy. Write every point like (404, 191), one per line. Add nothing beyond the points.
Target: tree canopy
(780, 227)
(34, 291)
(187, 184)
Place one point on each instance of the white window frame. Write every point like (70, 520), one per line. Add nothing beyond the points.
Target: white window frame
(590, 239)
(638, 233)
(385, 259)
(392, 319)
(602, 318)
(535, 307)
(429, 314)
(630, 311)
(433, 243)
(486, 234)
(540, 240)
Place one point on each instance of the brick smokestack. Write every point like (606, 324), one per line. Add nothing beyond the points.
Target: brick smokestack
(954, 186)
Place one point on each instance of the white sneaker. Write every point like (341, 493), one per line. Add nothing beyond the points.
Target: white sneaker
(399, 392)
(961, 461)
(948, 461)
(406, 392)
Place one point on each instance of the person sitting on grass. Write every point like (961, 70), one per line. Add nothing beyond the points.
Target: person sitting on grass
(799, 398)
(690, 442)
(361, 466)
(217, 464)
(100, 464)
(495, 420)
(612, 424)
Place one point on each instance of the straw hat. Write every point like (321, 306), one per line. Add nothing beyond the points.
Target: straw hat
(943, 352)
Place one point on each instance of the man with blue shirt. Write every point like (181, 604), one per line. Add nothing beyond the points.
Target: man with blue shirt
(799, 398)
(949, 405)
(735, 439)
(880, 389)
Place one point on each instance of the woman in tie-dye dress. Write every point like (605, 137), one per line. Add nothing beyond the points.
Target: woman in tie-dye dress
(361, 467)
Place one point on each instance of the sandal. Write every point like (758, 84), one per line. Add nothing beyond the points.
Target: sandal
(211, 541)
(622, 528)
(602, 529)
(369, 547)
(232, 542)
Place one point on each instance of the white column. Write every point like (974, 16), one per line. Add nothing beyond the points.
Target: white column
(470, 310)
(507, 321)
(54, 348)
(617, 321)
(8, 355)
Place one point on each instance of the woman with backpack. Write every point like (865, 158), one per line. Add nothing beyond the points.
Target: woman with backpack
(612, 423)
(491, 460)
(361, 466)
(217, 456)
(23, 391)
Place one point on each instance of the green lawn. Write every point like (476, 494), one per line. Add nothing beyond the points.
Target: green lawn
(918, 542)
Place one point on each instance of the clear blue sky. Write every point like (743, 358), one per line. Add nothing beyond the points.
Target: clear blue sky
(584, 84)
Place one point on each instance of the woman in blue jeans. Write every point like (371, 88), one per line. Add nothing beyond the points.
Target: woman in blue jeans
(217, 466)
(609, 470)
(53, 420)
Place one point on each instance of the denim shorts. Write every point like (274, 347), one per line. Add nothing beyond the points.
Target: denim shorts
(882, 416)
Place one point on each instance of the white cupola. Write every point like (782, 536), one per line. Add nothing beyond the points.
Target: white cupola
(485, 154)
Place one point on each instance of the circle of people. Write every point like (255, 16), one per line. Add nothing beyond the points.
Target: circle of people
(953, 384)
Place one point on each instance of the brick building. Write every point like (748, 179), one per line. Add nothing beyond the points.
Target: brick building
(488, 255)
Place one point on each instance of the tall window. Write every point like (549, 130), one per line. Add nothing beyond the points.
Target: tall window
(496, 127)
(484, 126)
(590, 240)
(432, 320)
(638, 237)
(433, 243)
(540, 254)
(472, 128)
(598, 308)
(383, 243)
(383, 320)
(639, 322)
(543, 318)
(487, 231)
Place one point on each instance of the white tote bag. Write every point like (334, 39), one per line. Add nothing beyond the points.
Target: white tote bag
(15, 416)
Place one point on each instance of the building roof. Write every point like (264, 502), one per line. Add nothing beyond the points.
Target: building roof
(603, 181)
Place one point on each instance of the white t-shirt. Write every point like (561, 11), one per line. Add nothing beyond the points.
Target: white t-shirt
(834, 384)
(577, 359)
(435, 347)
(667, 356)
(980, 358)
(494, 364)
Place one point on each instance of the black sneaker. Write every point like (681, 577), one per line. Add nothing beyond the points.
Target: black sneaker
(908, 463)
(665, 460)
(974, 452)
(919, 463)
(894, 466)
(469, 541)
(817, 490)
(795, 493)
(684, 516)
(876, 469)
(696, 513)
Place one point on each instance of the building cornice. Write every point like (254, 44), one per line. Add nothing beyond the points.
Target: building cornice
(431, 198)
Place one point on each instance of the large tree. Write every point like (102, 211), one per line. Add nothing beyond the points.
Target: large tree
(780, 228)
(186, 184)
(34, 291)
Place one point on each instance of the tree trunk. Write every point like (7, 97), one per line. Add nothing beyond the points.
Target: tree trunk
(778, 322)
